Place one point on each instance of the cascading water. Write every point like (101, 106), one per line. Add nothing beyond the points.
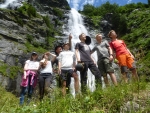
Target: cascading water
(11, 3)
(76, 27)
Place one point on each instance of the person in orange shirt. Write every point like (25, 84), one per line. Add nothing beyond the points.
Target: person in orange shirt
(123, 55)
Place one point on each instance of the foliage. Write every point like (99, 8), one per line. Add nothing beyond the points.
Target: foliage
(9, 71)
(99, 101)
(30, 38)
(118, 21)
(58, 12)
(96, 20)
(19, 20)
(31, 47)
(27, 9)
(47, 21)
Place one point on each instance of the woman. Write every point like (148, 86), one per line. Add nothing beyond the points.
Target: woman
(29, 78)
(45, 73)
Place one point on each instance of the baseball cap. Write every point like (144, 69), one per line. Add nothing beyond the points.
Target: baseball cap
(33, 53)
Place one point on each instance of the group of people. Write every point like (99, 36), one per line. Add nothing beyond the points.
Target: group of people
(67, 64)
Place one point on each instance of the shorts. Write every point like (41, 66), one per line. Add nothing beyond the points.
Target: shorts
(105, 66)
(126, 61)
(65, 74)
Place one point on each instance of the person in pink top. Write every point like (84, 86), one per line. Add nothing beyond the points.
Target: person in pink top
(29, 78)
(123, 55)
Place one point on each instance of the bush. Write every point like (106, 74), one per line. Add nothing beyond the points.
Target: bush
(27, 9)
(58, 12)
(47, 21)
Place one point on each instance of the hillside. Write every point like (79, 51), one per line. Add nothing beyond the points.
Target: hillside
(24, 30)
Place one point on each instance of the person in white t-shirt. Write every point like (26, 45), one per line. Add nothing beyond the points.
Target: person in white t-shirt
(46, 72)
(29, 78)
(66, 68)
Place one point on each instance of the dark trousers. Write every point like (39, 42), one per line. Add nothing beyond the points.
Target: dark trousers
(66, 76)
(95, 71)
(44, 78)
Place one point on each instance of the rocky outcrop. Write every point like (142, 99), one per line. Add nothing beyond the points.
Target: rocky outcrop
(55, 3)
(20, 34)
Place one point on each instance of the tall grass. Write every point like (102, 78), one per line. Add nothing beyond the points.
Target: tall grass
(107, 100)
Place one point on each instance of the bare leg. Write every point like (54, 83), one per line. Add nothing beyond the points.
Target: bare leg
(113, 78)
(124, 77)
(134, 75)
(76, 82)
(106, 80)
(64, 88)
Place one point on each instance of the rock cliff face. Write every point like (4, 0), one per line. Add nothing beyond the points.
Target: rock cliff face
(22, 32)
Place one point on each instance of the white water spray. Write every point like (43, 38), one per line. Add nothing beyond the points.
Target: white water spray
(13, 3)
(76, 27)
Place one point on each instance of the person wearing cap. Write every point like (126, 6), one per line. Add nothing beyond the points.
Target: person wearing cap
(29, 78)
(83, 54)
(66, 66)
(123, 55)
(56, 77)
(105, 58)
(46, 72)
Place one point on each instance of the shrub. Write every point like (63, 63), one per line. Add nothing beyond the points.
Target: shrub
(30, 38)
(58, 12)
(27, 9)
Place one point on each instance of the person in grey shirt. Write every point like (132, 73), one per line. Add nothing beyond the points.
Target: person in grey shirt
(105, 58)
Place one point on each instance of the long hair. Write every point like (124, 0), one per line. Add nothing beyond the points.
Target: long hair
(31, 58)
(43, 64)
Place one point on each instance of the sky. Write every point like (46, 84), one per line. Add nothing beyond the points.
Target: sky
(78, 4)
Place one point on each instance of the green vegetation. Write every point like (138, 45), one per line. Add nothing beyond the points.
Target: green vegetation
(58, 12)
(119, 14)
(132, 23)
(9, 71)
(27, 9)
(31, 47)
(96, 20)
(110, 99)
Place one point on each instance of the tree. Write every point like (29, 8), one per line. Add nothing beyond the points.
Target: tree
(148, 2)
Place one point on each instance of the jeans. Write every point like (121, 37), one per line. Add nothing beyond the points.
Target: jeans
(28, 89)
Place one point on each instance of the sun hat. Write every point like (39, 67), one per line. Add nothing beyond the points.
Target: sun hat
(88, 40)
(79, 66)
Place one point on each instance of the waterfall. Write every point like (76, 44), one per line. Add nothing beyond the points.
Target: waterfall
(11, 3)
(76, 27)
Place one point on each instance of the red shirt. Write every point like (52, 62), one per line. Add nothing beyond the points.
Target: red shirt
(119, 47)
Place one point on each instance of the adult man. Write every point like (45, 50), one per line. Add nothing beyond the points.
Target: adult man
(123, 55)
(105, 58)
(66, 67)
(83, 54)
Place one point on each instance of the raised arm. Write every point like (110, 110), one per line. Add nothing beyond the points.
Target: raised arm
(70, 38)
(53, 57)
